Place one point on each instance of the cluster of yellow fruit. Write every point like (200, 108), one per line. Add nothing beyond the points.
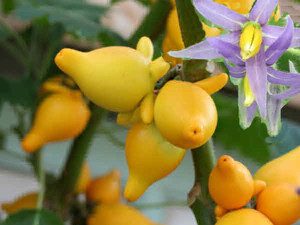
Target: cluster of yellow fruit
(62, 114)
(105, 194)
(276, 186)
(181, 116)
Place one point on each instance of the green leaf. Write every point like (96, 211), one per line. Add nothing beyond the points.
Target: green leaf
(18, 92)
(77, 17)
(250, 142)
(292, 55)
(7, 5)
(144, 2)
(27, 217)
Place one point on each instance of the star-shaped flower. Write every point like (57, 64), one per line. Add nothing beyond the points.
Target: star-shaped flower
(251, 48)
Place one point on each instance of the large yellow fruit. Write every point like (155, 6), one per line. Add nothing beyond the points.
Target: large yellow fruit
(284, 169)
(280, 203)
(83, 179)
(244, 217)
(59, 116)
(115, 78)
(27, 201)
(185, 114)
(149, 157)
(105, 189)
(118, 214)
(231, 184)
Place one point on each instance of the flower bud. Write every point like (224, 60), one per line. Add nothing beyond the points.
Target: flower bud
(250, 40)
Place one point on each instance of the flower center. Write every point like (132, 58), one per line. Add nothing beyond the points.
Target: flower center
(250, 40)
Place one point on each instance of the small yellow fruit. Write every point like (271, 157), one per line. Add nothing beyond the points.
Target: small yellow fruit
(105, 189)
(231, 185)
(60, 116)
(27, 201)
(84, 179)
(115, 78)
(284, 169)
(280, 203)
(56, 84)
(244, 217)
(118, 214)
(149, 157)
(185, 114)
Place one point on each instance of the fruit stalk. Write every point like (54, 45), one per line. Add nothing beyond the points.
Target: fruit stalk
(203, 157)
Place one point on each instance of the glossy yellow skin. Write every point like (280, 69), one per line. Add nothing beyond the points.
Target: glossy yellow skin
(105, 189)
(284, 169)
(244, 217)
(27, 201)
(59, 116)
(250, 40)
(185, 114)
(149, 157)
(231, 185)
(115, 78)
(84, 179)
(280, 203)
(118, 214)
(57, 84)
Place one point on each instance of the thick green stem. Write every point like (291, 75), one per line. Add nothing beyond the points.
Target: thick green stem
(153, 23)
(67, 182)
(203, 157)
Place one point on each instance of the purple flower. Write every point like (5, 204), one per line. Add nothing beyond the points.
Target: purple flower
(250, 49)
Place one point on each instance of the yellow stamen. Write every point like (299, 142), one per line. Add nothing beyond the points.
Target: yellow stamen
(249, 96)
(250, 40)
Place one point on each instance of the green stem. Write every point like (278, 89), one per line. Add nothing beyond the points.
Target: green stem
(203, 157)
(42, 183)
(67, 182)
(170, 75)
(153, 23)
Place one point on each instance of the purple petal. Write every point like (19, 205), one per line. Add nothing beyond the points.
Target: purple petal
(282, 43)
(271, 33)
(257, 74)
(262, 10)
(287, 94)
(202, 50)
(273, 121)
(233, 37)
(236, 71)
(284, 78)
(228, 50)
(220, 14)
(246, 114)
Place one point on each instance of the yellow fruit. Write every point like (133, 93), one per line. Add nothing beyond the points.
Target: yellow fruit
(210, 31)
(105, 189)
(173, 39)
(185, 114)
(240, 6)
(280, 203)
(231, 185)
(27, 201)
(84, 179)
(60, 116)
(118, 214)
(149, 157)
(115, 78)
(56, 84)
(284, 169)
(244, 217)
